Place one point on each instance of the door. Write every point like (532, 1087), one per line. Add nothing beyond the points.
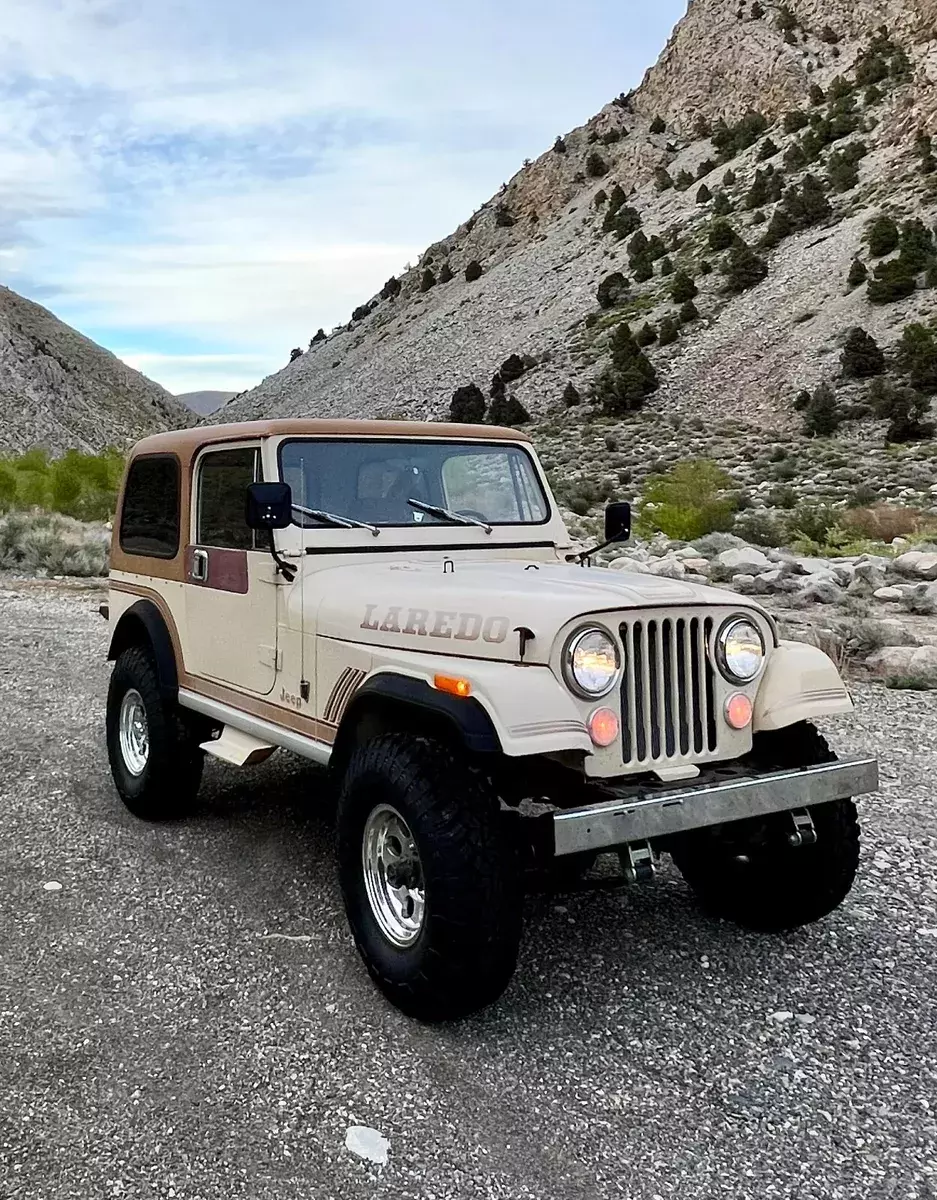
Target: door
(231, 591)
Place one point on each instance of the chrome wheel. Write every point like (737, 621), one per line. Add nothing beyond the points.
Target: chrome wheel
(133, 732)
(393, 876)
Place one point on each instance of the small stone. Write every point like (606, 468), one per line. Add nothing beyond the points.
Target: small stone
(890, 661)
(53, 885)
(927, 566)
(888, 593)
(668, 568)
(743, 561)
(804, 1019)
(780, 1017)
(367, 1143)
(906, 564)
(923, 665)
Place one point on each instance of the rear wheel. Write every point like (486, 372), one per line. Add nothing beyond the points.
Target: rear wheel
(154, 755)
(431, 885)
(748, 872)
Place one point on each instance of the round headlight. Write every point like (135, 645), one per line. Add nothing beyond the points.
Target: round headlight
(590, 663)
(740, 649)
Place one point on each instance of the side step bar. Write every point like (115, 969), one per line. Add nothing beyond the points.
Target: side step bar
(651, 814)
(264, 733)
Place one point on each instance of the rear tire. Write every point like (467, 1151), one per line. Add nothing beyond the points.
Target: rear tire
(747, 872)
(437, 919)
(154, 755)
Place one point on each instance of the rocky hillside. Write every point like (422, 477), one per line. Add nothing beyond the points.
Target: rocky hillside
(204, 403)
(720, 212)
(62, 391)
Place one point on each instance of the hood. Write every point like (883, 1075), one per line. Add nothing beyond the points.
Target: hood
(473, 608)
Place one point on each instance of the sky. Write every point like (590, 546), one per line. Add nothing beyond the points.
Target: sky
(199, 185)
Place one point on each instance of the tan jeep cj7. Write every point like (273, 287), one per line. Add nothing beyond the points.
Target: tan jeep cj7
(403, 603)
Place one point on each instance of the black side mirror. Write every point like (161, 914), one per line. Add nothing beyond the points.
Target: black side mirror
(617, 521)
(269, 506)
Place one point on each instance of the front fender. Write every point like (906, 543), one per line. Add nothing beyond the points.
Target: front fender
(800, 682)
(530, 711)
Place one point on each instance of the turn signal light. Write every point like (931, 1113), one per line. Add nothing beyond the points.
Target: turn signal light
(738, 711)
(603, 727)
(455, 687)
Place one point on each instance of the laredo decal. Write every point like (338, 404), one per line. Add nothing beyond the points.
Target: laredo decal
(443, 623)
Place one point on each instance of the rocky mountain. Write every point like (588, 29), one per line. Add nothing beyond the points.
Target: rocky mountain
(60, 390)
(719, 213)
(204, 403)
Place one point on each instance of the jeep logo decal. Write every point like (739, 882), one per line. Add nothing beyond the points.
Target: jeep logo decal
(441, 623)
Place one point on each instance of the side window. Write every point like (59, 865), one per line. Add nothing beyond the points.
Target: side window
(223, 479)
(149, 521)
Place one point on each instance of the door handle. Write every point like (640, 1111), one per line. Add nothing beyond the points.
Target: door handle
(198, 571)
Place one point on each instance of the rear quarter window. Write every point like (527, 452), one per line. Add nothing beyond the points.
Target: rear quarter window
(149, 519)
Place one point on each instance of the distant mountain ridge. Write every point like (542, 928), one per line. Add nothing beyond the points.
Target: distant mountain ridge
(204, 403)
(62, 391)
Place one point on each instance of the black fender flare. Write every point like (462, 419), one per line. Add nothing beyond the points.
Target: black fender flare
(144, 624)
(467, 718)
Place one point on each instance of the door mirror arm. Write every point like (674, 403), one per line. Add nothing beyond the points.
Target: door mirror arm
(270, 506)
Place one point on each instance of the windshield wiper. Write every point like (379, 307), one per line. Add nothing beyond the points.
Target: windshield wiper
(448, 515)
(328, 518)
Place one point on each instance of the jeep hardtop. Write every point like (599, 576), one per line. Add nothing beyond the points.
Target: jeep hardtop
(403, 604)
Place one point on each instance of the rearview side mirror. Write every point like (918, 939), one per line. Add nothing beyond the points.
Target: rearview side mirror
(269, 506)
(617, 521)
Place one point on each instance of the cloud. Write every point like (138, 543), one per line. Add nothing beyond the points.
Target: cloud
(213, 182)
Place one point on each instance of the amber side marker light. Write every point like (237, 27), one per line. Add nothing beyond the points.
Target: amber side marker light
(455, 687)
(603, 727)
(738, 711)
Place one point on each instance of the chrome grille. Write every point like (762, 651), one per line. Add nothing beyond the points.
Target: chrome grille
(668, 709)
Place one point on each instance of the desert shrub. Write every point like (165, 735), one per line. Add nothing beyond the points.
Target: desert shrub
(427, 281)
(32, 542)
(858, 273)
(883, 522)
(688, 312)
(600, 197)
(916, 356)
(473, 271)
(703, 194)
(761, 528)
(559, 146)
(891, 280)
(882, 235)
(507, 410)
(795, 120)
(390, 289)
(646, 335)
(612, 290)
(730, 140)
(766, 150)
(916, 245)
(642, 268)
(629, 377)
(682, 287)
(862, 356)
(822, 415)
(692, 499)
(596, 166)
(814, 522)
(705, 168)
(658, 125)
(743, 268)
(722, 235)
(467, 405)
(903, 408)
(445, 272)
(503, 217)
(666, 265)
(662, 179)
(683, 180)
(668, 331)
(783, 496)
(571, 395)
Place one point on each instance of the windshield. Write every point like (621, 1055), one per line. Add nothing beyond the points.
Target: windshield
(374, 482)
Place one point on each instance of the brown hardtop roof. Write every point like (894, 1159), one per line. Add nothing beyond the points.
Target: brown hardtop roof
(186, 442)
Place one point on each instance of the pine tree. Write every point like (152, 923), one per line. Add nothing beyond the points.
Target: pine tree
(473, 271)
(646, 335)
(428, 280)
(822, 416)
(467, 405)
(571, 395)
(658, 125)
(688, 312)
(704, 195)
(721, 235)
(668, 331)
(858, 273)
(882, 235)
(445, 273)
(743, 268)
(682, 288)
(766, 150)
(862, 357)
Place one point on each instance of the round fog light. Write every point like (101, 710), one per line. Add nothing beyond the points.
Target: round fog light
(738, 711)
(603, 727)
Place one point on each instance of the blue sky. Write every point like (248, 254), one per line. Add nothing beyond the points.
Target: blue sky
(200, 185)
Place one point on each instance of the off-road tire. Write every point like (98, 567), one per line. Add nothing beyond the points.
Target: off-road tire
(780, 887)
(466, 950)
(168, 784)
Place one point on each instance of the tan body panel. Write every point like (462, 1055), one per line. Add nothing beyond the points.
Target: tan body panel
(800, 683)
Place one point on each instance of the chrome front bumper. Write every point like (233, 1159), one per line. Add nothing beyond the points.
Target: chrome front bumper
(651, 813)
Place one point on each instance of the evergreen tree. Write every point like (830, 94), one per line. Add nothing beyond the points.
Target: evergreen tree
(862, 357)
(571, 395)
(428, 280)
(668, 331)
(882, 235)
(766, 150)
(682, 288)
(822, 416)
(704, 195)
(646, 335)
(858, 273)
(473, 271)
(743, 268)
(891, 280)
(445, 273)
(467, 405)
(721, 235)
(658, 125)
(688, 312)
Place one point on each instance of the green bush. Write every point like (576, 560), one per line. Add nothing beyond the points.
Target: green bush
(33, 542)
(814, 522)
(743, 268)
(467, 405)
(916, 245)
(692, 499)
(612, 290)
(892, 280)
(761, 528)
(683, 288)
(858, 273)
(473, 271)
(882, 235)
(862, 356)
(646, 335)
(668, 331)
(688, 312)
(916, 356)
(629, 378)
(722, 235)
(658, 125)
(822, 416)
(77, 485)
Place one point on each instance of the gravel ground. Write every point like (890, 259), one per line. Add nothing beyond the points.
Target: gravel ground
(186, 1017)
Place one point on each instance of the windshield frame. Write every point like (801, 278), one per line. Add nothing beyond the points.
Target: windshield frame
(476, 444)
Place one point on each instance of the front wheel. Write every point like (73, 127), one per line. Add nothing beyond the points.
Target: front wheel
(430, 882)
(748, 872)
(155, 759)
